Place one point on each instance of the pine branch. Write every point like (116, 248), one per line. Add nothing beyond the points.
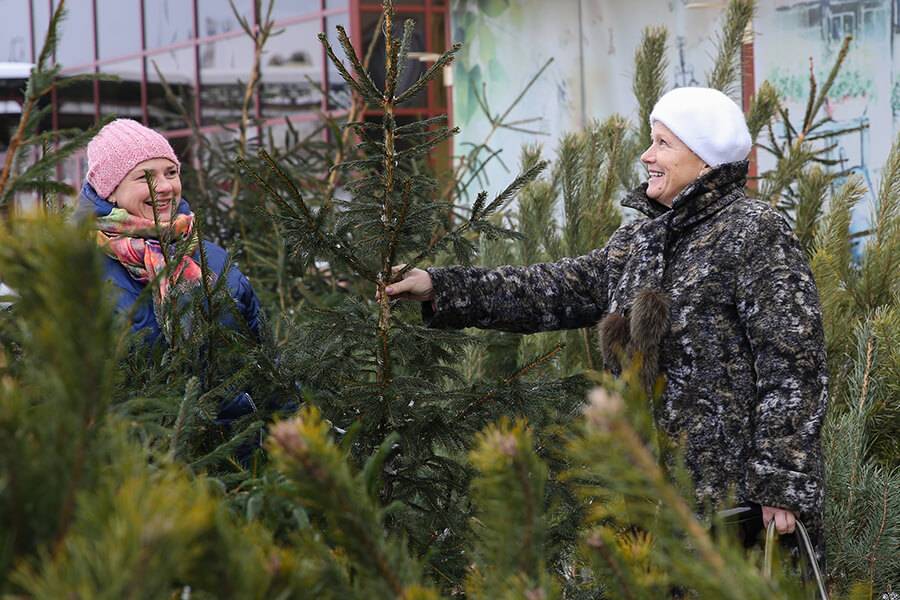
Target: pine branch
(301, 448)
(813, 109)
(763, 108)
(738, 19)
(508, 494)
(32, 95)
(648, 84)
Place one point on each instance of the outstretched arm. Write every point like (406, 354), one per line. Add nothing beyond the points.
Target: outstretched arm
(561, 295)
(566, 294)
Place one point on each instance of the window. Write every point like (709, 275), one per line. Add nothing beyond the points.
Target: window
(118, 28)
(225, 67)
(168, 22)
(842, 25)
(292, 71)
(15, 37)
(76, 42)
(874, 22)
(286, 9)
(216, 16)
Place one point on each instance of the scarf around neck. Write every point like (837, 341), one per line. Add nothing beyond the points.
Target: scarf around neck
(135, 242)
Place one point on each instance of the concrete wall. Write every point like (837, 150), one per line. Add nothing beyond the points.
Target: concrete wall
(593, 44)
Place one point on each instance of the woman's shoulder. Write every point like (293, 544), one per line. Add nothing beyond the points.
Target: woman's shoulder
(119, 276)
(216, 256)
(218, 259)
(759, 227)
(754, 217)
(627, 231)
(752, 209)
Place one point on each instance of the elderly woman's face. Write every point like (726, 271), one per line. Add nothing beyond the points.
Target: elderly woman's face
(134, 196)
(670, 163)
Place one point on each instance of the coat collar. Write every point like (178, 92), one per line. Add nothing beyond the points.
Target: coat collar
(699, 200)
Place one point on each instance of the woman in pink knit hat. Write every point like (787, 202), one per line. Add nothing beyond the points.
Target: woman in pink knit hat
(129, 226)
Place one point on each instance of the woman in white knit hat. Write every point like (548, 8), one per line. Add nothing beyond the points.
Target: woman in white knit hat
(714, 294)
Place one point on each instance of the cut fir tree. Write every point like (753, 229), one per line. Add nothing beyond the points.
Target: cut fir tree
(375, 370)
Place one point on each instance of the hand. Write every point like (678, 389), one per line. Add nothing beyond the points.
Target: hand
(415, 285)
(785, 521)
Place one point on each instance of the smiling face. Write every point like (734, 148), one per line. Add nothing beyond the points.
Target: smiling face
(670, 163)
(133, 195)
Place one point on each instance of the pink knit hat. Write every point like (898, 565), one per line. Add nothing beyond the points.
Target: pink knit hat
(118, 148)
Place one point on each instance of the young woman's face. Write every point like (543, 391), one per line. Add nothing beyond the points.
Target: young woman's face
(133, 195)
(670, 163)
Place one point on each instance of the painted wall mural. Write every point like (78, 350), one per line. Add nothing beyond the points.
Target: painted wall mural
(593, 43)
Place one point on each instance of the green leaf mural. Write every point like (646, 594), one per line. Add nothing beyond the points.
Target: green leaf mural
(475, 26)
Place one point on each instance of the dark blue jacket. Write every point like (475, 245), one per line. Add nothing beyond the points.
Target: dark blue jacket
(239, 286)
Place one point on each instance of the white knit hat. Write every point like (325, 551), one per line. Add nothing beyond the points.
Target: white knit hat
(707, 121)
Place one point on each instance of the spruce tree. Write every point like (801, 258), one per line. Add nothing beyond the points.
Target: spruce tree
(373, 369)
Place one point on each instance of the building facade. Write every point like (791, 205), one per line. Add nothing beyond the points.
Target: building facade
(200, 48)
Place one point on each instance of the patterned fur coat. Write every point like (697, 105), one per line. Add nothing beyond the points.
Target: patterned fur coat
(717, 296)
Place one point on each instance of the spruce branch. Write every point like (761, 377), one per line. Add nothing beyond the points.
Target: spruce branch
(311, 223)
(179, 431)
(391, 51)
(358, 104)
(510, 192)
(368, 92)
(383, 353)
(403, 55)
(433, 71)
(259, 36)
(521, 372)
(471, 161)
(477, 218)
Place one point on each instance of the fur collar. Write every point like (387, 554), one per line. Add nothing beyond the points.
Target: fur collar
(699, 200)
